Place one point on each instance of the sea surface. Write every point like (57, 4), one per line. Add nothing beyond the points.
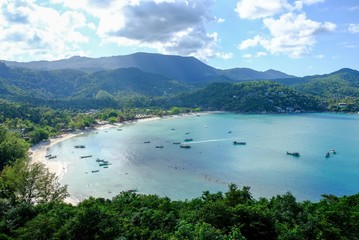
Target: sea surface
(213, 161)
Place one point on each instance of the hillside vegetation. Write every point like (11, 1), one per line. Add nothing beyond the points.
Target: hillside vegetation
(255, 96)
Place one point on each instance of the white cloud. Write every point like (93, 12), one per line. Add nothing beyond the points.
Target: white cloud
(220, 20)
(35, 32)
(257, 55)
(291, 34)
(353, 28)
(261, 54)
(249, 9)
(252, 42)
(169, 26)
(256, 9)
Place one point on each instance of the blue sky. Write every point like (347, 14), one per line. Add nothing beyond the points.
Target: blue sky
(299, 37)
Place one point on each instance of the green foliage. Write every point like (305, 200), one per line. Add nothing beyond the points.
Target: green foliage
(256, 96)
(233, 215)
(31, 183)
(12, 148)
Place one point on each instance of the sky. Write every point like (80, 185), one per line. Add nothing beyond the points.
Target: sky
(298, 37)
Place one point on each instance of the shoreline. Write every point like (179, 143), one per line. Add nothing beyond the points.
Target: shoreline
(38, 151)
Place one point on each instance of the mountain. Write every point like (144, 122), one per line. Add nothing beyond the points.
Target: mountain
(186, 69)
(337, 85)
(246, 74)
(252, 96)
(67, 83)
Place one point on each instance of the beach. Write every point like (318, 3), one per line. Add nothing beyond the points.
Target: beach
(37, 153)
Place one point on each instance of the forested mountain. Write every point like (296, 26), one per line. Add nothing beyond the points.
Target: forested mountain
(254, 96)
(69, 83)
(339, 84)
(247, 74)
(186, 69)
(155, 75)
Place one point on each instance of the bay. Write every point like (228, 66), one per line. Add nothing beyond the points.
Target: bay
(213, 161)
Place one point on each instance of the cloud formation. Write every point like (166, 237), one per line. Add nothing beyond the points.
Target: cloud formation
(291, 34)
(169, 26)
(353, 28)
(28, 29)
(175, 27)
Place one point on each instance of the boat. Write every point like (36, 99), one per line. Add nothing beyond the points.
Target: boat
(48, 155)
(333, 151)
(176, 143)
(294, 154)
(99, 160)
(188, 140)
(79, 146)
(95, 171)
(52, 157)
(102, 164)
(159, 146)
(187, 133)
(173, 129)
(239, 143)
(119, 129)
(185, 146)
(132, 190)
(86, 156)
(229, 132)
(327, 155)
(147, 142)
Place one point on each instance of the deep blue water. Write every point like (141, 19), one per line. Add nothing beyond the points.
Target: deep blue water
(213, 161)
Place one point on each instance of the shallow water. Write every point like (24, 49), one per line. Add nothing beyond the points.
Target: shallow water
(213, 161)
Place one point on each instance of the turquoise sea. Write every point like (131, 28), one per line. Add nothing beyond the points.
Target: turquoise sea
(213, 161)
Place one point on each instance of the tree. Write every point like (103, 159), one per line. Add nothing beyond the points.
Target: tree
(12, 148)
(31, 183)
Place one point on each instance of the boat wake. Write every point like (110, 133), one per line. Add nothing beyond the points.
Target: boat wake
(212, 140)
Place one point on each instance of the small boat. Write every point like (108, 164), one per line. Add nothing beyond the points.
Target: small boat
(333, 151)
(147, 142)
(173, 129)
(229, 132)
(187, 133)
(79, 146)
(48, 155)
(99, 160)
(188, 140)
(103, 164)
(132, 190)
(239, 143)
(119, 129)
(95, 171)
(159, 146)
(52, 157)
(176, 143)
(327, 155)
(86, 156)
(185, 146)
(294, 154)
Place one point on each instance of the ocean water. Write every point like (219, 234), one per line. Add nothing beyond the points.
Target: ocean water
(213, 161)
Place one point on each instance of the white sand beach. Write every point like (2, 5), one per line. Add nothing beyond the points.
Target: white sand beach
(37, 152)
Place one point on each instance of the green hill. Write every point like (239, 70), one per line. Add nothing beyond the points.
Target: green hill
(255, 96)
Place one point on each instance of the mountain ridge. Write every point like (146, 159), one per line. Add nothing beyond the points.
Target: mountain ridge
(186, 69)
